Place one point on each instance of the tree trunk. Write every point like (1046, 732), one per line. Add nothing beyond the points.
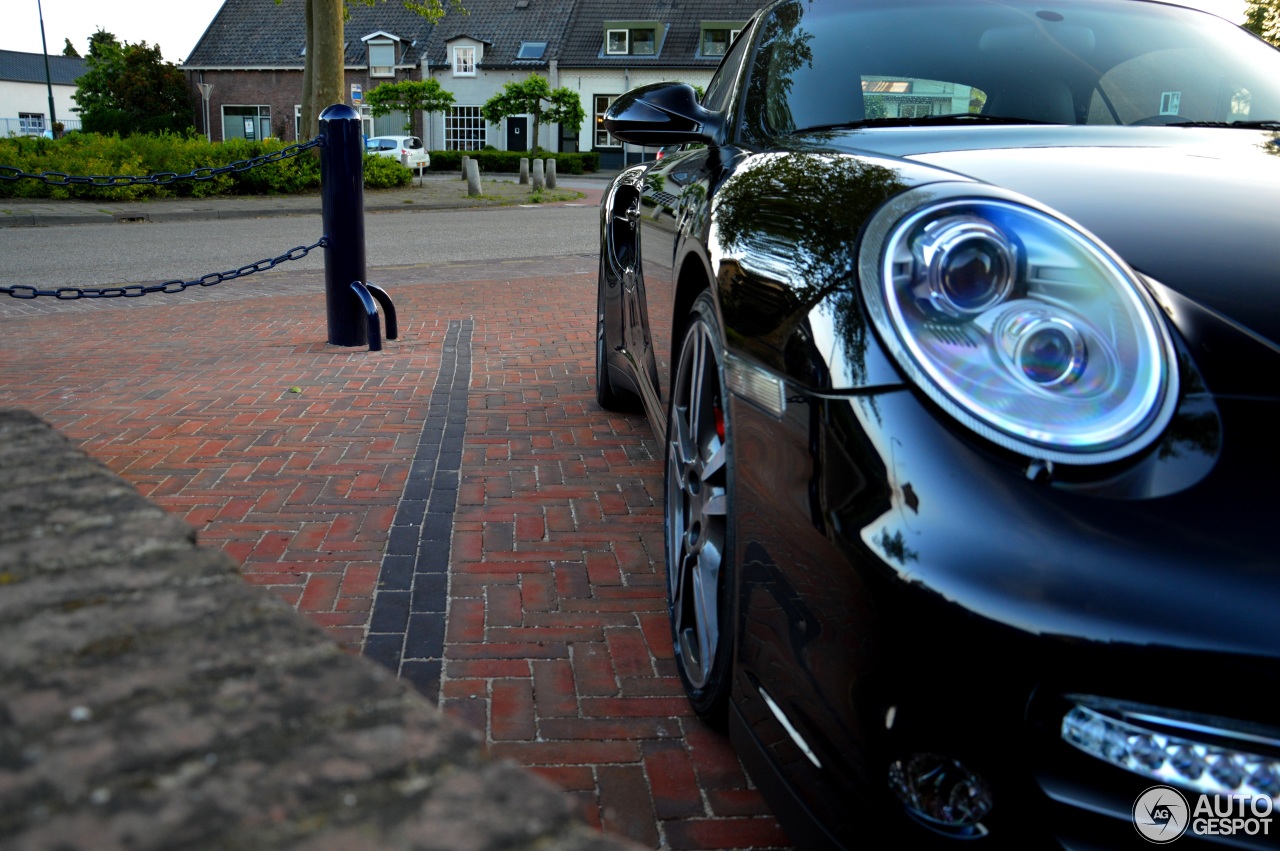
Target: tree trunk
(325, 60)
(537, 119)
(307, 126)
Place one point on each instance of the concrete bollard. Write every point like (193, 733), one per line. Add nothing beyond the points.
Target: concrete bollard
(551, 173)
(524, 171)
(465, 160)
(473, 177)
(539, 179)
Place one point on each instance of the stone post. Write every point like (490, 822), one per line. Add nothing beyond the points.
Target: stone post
(524, 171)
(473, 178)
(551, 172)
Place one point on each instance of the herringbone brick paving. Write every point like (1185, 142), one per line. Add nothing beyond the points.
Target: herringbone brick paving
(228, 408)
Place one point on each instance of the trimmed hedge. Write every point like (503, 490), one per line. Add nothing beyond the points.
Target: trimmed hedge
(89, 154)
(385, 173)
(508, 162)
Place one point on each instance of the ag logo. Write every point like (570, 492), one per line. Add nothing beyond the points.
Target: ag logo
(1161, 814)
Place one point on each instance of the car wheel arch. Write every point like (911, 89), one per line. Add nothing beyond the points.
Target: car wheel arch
(694, 277)
(621, 232)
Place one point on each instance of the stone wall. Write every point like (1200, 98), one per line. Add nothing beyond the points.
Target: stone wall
(151, 699)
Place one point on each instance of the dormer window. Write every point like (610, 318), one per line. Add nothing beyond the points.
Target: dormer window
(464, 61)
(631, 41)
(644, 43)
(617, 42)
(382, 58)
(716, 39)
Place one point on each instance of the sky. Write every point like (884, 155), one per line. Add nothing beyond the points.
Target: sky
(177, 26)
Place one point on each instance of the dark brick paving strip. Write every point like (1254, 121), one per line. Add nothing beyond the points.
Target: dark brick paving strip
(406, 629)
(226, 407)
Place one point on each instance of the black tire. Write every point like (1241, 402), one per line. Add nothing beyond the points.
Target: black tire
(608, 396)
(699, 548)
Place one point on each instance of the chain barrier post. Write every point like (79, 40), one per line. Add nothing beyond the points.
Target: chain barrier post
(342, 212)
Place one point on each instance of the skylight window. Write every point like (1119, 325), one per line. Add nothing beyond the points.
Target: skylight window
(531, 50)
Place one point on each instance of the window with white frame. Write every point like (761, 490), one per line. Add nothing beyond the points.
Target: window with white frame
(464, 129)
(382, 59)
(631, 41)
(246, 122)
(464, 61)
(31, 123)
(602, 137)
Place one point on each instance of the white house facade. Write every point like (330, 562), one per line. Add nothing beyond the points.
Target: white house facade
(24, 92)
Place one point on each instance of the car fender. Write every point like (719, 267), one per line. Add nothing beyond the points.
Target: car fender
(786, 269)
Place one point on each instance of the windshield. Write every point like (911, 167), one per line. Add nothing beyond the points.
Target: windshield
(836, 63)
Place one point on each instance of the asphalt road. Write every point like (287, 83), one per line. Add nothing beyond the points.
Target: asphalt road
(92, 255)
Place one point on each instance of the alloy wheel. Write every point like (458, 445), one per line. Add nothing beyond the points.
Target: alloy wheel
(697, 512)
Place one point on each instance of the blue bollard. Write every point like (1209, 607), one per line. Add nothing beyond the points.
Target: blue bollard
(342, 203)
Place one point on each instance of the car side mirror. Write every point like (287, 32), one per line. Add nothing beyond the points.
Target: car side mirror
(661, 114)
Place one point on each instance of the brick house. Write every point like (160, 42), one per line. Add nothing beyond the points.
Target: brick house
(252, 55)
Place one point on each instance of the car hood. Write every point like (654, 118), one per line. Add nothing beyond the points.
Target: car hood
(1192, 208)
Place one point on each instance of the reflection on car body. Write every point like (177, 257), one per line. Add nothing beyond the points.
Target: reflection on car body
(959, 322)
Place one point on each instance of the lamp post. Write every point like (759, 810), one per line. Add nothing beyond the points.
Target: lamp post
(48, 81)
(205, 90)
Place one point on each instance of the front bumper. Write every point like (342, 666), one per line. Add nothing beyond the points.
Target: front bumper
(902, 589)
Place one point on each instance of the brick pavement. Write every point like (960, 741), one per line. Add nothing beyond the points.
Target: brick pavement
(227, 407)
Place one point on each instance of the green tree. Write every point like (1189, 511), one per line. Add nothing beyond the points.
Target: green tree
(534, 96)
(102, 37)
(323, 68)
(69, 49)
(129, 88)
(408, 96)
(1262, 17)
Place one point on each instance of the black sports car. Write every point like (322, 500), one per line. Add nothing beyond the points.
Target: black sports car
(960, 323)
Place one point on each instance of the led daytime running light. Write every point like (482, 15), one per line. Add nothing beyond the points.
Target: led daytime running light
(1177, 761)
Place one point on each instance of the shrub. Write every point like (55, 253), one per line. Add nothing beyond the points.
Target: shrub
(143, 155)
(385, 173)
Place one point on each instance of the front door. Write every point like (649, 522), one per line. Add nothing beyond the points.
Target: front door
(518, 133)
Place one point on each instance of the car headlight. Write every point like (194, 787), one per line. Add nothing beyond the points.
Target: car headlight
(1019, 324)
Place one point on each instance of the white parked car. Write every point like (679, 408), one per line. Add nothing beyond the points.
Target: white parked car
(397, 146)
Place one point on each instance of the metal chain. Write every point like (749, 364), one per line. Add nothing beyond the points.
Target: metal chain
(164, 178)
(176, 286)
